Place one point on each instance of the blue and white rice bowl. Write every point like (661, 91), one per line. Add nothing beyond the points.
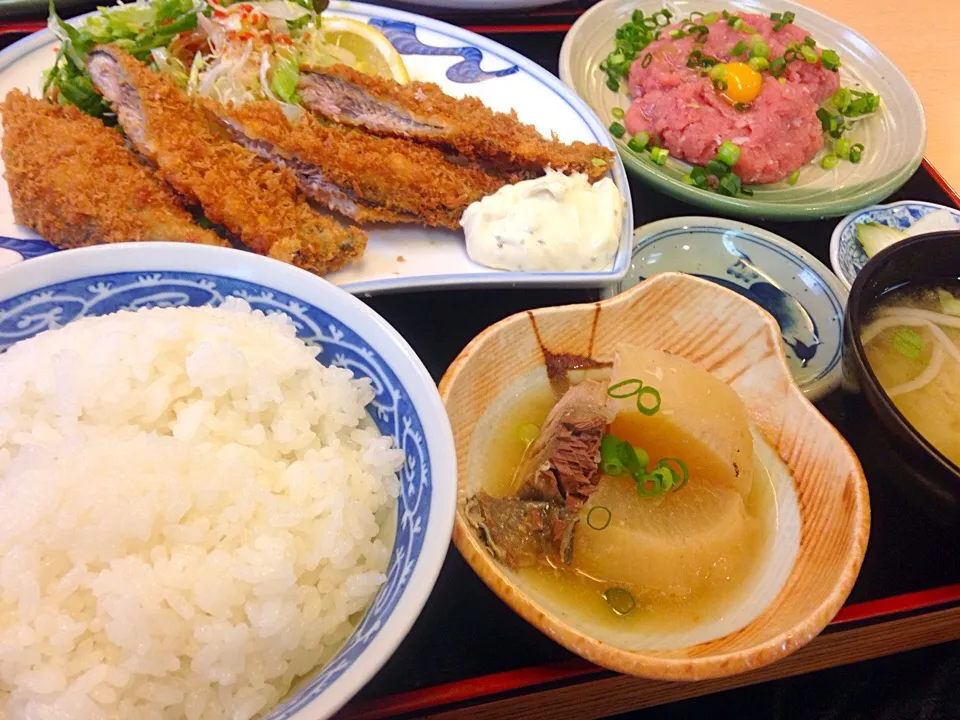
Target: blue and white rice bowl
(59, 288)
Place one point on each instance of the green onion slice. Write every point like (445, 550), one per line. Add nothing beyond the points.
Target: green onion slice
(610, 463)
(599, 517)
(908, 342)
(616, 390)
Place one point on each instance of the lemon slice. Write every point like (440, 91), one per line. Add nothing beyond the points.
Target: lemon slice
(371, 52)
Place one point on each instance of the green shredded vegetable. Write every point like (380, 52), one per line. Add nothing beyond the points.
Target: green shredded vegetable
(908, 342)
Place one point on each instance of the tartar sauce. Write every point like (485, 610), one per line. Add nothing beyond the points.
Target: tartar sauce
(554, 222)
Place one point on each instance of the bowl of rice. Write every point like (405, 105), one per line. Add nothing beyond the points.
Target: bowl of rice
(226, 487)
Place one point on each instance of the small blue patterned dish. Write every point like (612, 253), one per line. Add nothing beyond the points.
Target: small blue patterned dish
(846, 254)
(801, 294)
(56, 289)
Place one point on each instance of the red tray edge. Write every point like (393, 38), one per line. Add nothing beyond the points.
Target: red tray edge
(472, 688)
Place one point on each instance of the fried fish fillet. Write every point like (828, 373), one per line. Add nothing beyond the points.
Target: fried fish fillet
(72, 180)
(256, 201)
(365, 177)
(423, 112)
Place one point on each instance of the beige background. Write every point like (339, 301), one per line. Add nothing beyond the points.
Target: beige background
(922, 38)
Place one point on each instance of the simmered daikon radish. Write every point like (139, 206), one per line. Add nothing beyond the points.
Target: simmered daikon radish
(691, 540)
(700, 418)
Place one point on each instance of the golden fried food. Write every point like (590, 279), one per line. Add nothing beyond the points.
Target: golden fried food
(422, 111)
(72, 180)
(365, 177)
(257, 201)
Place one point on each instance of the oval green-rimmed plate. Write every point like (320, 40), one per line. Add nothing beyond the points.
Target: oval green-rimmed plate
(894, 137)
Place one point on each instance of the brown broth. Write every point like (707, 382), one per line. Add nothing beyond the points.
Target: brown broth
(571, 588)
(932, 409)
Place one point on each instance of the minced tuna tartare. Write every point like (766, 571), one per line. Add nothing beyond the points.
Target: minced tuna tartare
(771, 119)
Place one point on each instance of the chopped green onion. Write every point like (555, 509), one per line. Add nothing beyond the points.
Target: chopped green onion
(809, 41)
(528, 432)
(747, 28)
(841, 99)
(655, 482)
(599, 517)
(729, 184)
(717, 72)
(720, 85)
(644, 408)
(613, 84)
(659, 155)
(617, 392)
(758, 63)
(794, 176)
(710, 18)
(633, 459)
(830, 60)
(634, 386)
(789, 55)
(598, 162)
(775, 16)
(777, 66)
(809, 54)
(739, 48)
(610, 462)
(908, 342)
(760, 50)
(862, 103)
(699, 176)
(683, 474)
(687, 178)
(842, 148)
(741, 106)
(728, 153)
(785, 19)
(617, 130)
(620, 600)
(639, 142)
(676, 34)
(617, 112)
(856, 152)
(646, 60)
(716, 167)
(829, 161)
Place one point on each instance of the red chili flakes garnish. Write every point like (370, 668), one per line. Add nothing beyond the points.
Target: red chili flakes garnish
(282, 38)
(166, 21)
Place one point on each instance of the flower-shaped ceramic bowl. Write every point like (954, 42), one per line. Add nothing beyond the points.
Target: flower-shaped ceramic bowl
(821, 503)
(62, 287)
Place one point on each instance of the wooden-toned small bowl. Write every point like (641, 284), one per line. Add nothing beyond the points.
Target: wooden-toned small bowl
(811, 572)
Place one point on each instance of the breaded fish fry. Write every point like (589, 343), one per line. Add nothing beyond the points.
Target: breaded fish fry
(256, 201)
(365, 177)
(72, 180)
(423, 112)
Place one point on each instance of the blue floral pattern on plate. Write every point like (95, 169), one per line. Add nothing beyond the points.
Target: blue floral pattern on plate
(403, 36)
(392, 408)
(802, 295)
(27, 248)
(846, 253)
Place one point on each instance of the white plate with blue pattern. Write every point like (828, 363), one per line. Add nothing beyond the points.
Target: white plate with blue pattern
(99, 280)
(802, 295)
(846, 254)
(402, 257)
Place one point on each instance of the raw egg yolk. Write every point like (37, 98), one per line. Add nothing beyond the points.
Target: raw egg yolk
(743, 83)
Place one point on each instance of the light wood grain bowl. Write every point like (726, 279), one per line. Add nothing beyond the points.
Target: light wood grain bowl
(740, 343)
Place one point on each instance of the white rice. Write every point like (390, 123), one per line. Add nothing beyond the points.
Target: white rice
(190, 507)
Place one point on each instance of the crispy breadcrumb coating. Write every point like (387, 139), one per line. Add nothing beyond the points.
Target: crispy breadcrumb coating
(422, 111)
(72, 180)
(365, 177)
(257, 201)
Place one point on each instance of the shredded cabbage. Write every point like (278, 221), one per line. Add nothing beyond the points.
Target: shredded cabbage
(232, 52)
